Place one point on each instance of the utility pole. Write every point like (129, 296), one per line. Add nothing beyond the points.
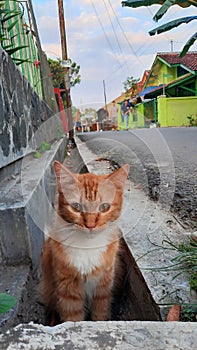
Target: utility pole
(171, 44)
(66, 69)
(105, 94)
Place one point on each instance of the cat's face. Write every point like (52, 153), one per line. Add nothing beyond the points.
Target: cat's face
(88, 200)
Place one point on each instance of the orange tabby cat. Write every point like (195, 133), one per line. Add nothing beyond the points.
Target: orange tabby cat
(78, 260)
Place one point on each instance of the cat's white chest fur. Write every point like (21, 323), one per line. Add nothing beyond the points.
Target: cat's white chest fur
(86, 259)
(85, 251)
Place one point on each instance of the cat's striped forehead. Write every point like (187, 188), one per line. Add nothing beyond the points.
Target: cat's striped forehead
(90, 186)
(96, 188)
(86, 188)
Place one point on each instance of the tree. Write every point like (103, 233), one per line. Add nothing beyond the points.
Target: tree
(90, 111)
(58, 72)
(131, 85)
(165, 5)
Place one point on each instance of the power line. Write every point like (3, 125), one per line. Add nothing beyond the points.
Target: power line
(112, 26)
(131, 48)
(105, 34)
(114, 31)
(107, 39)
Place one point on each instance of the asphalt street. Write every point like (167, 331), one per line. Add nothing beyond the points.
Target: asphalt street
(163, 163)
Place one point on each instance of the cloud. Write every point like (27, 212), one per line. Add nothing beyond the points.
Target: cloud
(52, 50)
(45, 8)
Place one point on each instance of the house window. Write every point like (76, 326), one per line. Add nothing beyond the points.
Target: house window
(181, 71)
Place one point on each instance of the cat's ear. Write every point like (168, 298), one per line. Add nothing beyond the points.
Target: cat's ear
(63, 175)
(119, 176)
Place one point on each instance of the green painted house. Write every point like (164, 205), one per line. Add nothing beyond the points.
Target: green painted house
(170, 91)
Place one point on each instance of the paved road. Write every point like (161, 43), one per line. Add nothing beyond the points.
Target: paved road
(163, 162)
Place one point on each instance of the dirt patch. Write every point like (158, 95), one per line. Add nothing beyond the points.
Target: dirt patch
(31, 306)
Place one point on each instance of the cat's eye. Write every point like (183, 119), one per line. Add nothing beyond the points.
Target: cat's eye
(104, 207)
(77, 207)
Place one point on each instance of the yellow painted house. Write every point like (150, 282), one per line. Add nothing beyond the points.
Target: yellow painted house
(170, 91)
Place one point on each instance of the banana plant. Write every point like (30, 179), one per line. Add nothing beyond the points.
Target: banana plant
(165, 5)
(6, 40)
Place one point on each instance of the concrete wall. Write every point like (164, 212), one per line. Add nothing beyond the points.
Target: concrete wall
(21, 112)
(25, 122)
(174, 111)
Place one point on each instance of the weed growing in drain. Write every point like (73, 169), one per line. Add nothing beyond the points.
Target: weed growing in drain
(185, 261)
(6, 302)
(189, 313)
(45, 146)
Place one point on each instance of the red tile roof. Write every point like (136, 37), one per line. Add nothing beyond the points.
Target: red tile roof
(189, 60)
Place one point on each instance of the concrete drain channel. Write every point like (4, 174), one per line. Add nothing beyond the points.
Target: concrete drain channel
(133, 306)
(132, 299)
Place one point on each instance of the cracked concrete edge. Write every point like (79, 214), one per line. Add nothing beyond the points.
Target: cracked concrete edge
(145, 225)
(109, 335)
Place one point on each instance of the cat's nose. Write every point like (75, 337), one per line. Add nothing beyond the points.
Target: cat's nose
(90, 220)
(90, 224)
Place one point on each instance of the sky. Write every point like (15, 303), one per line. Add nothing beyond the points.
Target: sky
(108, 41)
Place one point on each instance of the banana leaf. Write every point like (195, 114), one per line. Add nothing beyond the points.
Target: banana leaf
(188, 44)
(6, 18)
(6, 47)
(3, 1)
(163, 9)
(138, 3)
(15, 49)
(172, 24)
(2, 37)
(5, 11)
(12, 25)
(19, 61)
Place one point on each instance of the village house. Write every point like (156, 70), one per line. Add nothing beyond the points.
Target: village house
(168, 92)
